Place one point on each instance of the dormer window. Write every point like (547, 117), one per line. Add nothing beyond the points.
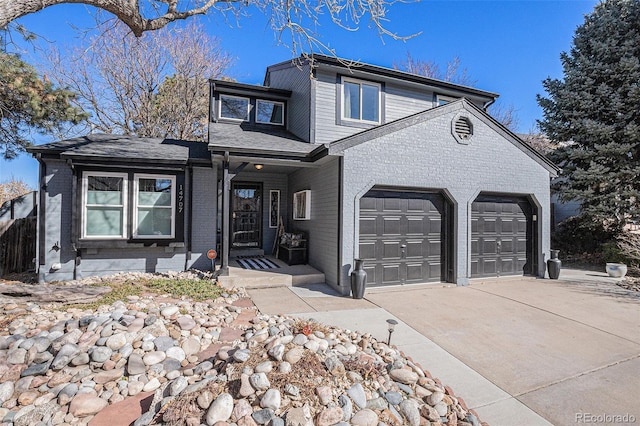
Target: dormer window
(360, 101)
(234, 108)
(269, 112)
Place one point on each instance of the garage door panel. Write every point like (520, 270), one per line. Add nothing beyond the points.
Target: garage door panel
(368, 226)
(434, 248)
(391, 249)
(434, 225)
(391, 226)
(390, 273)
(507, 225)
(415, 205)
(368, 204)
(367, 250)
(507, 246)
(488, 246)
(415, 225)
(415, 272)
(415, 249)
(391, 204)
(412, 220)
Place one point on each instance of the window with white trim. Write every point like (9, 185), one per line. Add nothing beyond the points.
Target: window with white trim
(360, 100)
(269, 112)
(234, 108)
(154, 206)
(104, 205)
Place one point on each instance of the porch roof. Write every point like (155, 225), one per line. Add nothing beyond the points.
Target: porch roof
(269, 141)
(113, 148)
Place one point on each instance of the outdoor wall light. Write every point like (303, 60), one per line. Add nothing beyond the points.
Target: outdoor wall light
(391, 323)
(258, 166)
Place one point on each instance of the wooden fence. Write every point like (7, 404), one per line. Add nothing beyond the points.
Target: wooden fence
(17, 245)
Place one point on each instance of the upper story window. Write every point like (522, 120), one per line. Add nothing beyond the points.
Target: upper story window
(105, 199)
(269, 112)
(443, 100)
(234, 107)
(360, 100)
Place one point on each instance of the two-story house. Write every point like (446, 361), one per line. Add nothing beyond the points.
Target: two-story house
(406, 172)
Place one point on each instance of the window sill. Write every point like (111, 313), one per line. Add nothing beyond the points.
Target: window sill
(357, 124)
(128, 244)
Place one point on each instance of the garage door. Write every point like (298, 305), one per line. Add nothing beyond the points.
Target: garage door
(501, 236)
(402, 238)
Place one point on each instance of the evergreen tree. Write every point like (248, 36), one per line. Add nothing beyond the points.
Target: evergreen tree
(594, 114)
(28, 102)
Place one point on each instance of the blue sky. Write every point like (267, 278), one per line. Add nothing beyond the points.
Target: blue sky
(507, 46)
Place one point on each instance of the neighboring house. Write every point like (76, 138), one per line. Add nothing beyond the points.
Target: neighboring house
(407, 172)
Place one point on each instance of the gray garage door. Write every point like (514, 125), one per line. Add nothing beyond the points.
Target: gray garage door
(501, 236)
(402, 237)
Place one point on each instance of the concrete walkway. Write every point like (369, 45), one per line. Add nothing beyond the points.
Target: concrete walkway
(520, 351)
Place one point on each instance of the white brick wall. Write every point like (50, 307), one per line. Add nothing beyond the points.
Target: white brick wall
(426, 155)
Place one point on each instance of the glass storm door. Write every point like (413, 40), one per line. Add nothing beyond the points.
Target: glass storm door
(246, 215)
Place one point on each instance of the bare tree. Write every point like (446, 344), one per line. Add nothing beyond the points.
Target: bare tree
(506, 115)
(12, 188)
(540, 142)
(431, 69)
(298, 18)
(153, 86)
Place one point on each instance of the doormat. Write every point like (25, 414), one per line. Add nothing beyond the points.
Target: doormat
(256, 262)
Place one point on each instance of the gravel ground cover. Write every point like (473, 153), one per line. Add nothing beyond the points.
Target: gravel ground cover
(160, 359)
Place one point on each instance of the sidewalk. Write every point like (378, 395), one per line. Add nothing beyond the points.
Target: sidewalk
(318, 301)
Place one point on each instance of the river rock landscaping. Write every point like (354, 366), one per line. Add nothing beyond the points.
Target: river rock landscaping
(158, 359)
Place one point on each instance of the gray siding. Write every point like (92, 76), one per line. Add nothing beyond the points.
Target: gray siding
(270, 181)
(57, 211)
(323, 228)
(426, 155)
(104, 260)
(326, 110)
(401, 101)
(203, 229)
(296, 79)
(108, 261)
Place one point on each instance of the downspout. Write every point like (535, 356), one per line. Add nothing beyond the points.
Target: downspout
(226, 220)
(74, 218)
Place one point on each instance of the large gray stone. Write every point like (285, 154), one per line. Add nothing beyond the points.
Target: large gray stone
(100, 353)
(356, 392)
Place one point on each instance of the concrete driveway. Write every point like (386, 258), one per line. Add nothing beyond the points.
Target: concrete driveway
(520, 351)
(565, 349)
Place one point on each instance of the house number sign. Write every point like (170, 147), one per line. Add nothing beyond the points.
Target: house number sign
(180, 198)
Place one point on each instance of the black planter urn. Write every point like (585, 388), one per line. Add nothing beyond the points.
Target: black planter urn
(358, 279)
(553, 265)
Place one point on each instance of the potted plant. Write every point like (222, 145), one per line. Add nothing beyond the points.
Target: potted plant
(615, 260)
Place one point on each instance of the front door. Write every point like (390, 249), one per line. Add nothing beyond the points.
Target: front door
(246, 215)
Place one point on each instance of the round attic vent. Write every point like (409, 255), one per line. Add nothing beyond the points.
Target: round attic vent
(462, 129)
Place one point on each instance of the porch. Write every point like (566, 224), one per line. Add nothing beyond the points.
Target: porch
(282, 275)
